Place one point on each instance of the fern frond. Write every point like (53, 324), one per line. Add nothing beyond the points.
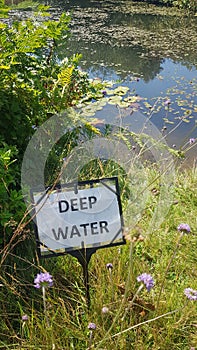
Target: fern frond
(64, 78)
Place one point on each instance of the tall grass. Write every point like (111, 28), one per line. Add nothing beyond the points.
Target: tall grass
(160, 319)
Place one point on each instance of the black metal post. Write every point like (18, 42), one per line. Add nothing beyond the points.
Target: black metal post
(83, 256)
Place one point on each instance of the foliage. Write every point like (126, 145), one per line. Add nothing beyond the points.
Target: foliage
(33, 83)
(34, 86)
(10, 199)
(65, 301)
(186, 4)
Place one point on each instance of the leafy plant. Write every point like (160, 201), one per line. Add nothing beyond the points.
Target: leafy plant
(12, 207)
(33, 83)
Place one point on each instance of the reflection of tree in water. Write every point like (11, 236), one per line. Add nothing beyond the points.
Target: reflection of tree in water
(112, 33)
(122, 37)
(121, 59)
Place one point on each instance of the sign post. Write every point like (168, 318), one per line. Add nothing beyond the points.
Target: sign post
(84, 257)
(78, 218)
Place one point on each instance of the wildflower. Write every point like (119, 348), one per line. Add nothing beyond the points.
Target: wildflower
(167, 102)
(190, 293)
(184, 228)
(192, 140)
(147, 280)
(104, 92)
(105, 310)
(91, 326)
(24, 318)
(109, 266)
(43, 280)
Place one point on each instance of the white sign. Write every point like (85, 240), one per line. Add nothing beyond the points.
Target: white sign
(68, 221)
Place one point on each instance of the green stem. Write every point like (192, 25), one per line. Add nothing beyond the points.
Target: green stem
(168, 267)
(132, 301)
(124, 298)
(90, 341)
(44, 303)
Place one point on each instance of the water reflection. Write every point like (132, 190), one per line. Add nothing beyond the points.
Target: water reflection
(122, 61)
(119, 34)
(120, 41)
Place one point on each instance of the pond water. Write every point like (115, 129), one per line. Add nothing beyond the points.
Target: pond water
(151, 50)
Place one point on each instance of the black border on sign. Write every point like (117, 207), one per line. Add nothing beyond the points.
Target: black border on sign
(78, 252)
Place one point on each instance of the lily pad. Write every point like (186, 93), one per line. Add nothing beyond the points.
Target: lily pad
(114, 100)
(121, 90)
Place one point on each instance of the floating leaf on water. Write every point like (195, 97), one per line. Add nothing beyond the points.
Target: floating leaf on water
(114, 100)
(109, 91)
(87, 114)
(121, 90)
(185, 120)
(132, 99)
(123, 104)
(187, 112)
(166, 120)
(147, 105)
(108, 83)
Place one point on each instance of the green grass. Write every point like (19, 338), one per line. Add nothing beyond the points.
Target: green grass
(66, 304)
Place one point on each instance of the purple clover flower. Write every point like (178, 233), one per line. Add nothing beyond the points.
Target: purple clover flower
(147, 280)
(91, 326)
(43, 280)
(191, 141)
(184, 228)
(190, 293)
(109, 266)
(24, 318)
